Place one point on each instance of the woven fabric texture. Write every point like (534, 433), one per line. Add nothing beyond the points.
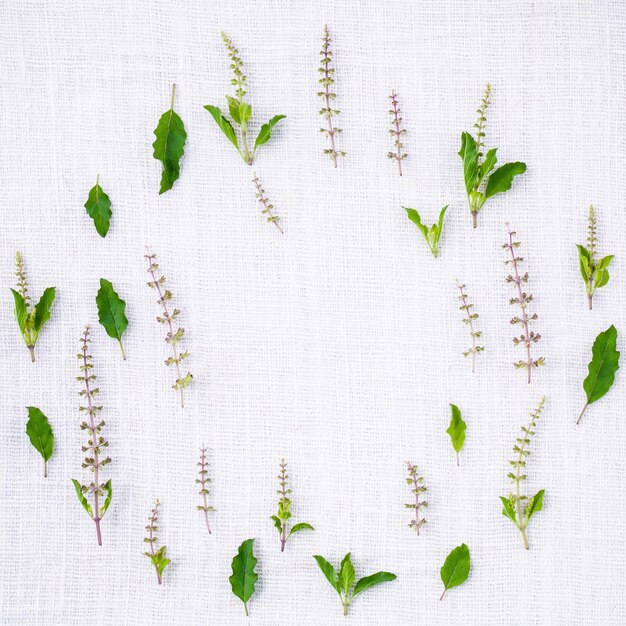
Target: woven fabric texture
(337, 345)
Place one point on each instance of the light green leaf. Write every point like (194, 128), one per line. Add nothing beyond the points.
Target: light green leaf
(111, 312)
(487, 165)
(469, 154)
(278, 524)
(40, 434)
(109, 490)
(81, 497)
(535, 504)
(584, 261)
(159, 560)
(42, 309)
(346, 573)
(431, 235)
(502, 179)
(300, 526)
(233, 109)
(370, 581)
(98, 208)
(169, 145)
(456, 429)
(21, 312)
(223, 124)
(266, 131)
(329, 571)
(603, 366)
(244, 577)
(456, 568)
(508, 510)
(601, 276)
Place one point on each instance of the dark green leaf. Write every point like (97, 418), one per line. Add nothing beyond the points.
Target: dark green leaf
(456, 568)
(21, 312)
(300, 526)
(371, 581)
(111, 312)
(502, 179)
(244, 577)
(535, 504)
(42, 308)
(266, 131)
(456, 429)
(40, 433)
(329, 571)
(81, 497)
(346, 573)
(469, 154)
(223, 124)
(508, 510)
(98, 208)
(603, 366)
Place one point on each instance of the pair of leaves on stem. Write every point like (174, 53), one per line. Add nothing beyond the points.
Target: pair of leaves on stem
(456, 568)
(432, 234)
(243, 579)
(40, 434)
(108, 488)
(602, 367)
(111, 312)
(456, 430)
(342, 581)
(280, 522)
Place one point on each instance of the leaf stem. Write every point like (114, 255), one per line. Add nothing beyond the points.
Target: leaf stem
(582, 413)
(247, 157)
(31, 349)
(122, 348)
(173, 95)
(457, 460)
(45, 469)
(443, 594)
(245, 606)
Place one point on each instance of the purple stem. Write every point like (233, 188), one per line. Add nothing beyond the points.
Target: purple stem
(153, 520)
(203, 481)
(471, 326)
(327, 98)
(396, 121)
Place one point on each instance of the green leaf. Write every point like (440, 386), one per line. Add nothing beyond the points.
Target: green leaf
(169, 145)
(431, 235)
(40, 434)
(329, 571)
(535, 504)
(584, 261)
(109, 489)
(42, 308)
(300, 526)
(159, 561)
(233, 109)
(502, 179)
(278, 524)
(223, 124)
(111, 312)
(21, 312)
(601, 276)
(469, 154)
(346, 573)
(244, 577)
(266, 131)
(81, 497)
(370, 581)
(508, 510)
(603, 366)
(98, 208)
(456, 568)
(456, 429)
(487, 165)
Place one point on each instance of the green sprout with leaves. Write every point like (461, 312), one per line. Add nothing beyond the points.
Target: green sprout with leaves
(595, 272)
(281, 519)
(476, 170)
(518, 507)
(416, 483)
(240, 111)
(432, 234)
(342, 581)
(30, 319)
(158, 558)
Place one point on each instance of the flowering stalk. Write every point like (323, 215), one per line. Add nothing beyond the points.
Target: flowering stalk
(203, 482)
(415, 481)
(469, 320)
(528, 337)
(172, 337)
(328, 97)
(95, 443)
(157, 557)
(267, 206)
(396, 132)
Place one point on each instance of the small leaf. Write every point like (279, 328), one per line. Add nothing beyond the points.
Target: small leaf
(244, 577)
(109, 489)
(583, 261)
(370, 581)
(300, 526)
(159, 561)
(603, 366)
(329, 571)
(602, 276)
(42, 308)
(502, 179)
(456, 568)
(169, 145)
(469, 154)
(233, 109)
(487, 165)
(98, 208)
(346, 573)
(266, 131)
(457, 428)
(431, 235)
(508, 510)
(21, 312)
(81, 498)
(111, 312)
(223, 124)
(278, 524)
(535, 504)
(40, 434)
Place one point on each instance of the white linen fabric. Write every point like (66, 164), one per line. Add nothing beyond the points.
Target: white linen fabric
(337, 345)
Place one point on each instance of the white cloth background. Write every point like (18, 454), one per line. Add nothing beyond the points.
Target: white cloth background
(337, 345)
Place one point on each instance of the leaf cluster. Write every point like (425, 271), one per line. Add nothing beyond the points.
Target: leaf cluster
(432, 234)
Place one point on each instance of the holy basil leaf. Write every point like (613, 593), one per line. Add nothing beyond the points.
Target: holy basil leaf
(169, 145)
(602, 367)
(159, 560)
(508, 510)
(329, 571)
(602, 276)
(42, 308)
(81, 497)
(370, 581)
(487, 165)
(469, 154)
(584, 260)
(535, 504)
(300, 526)
(432, 234)
(244, 577)
(456, 568)
(456, 430)
(346, 573)
(40, 434)
(266, 131)
(107, 501)
(223, 124)
(21, 311)
(111, 312)
(277, 523)
(233, 109)
(502, 179)
(98, 208)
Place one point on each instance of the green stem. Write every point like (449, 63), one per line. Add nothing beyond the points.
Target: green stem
(31, 349)
(245, 606)
(122, 348)
(524, 537)
(247, 157)
(173, 95)
(582, 413)
(45, 469)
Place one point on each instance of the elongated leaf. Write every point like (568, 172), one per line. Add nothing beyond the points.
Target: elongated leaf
(277, 523)
(414, 216)
(487, 165)
(370, 581)
(223, 124)
(244, 577)
(111, 312)
(21, 312)
(40, 433)
(81, 497)
(535, 504)
(329, 571)
(296, 528)
(508, 510)
(603, 366)
(107, 501)
(469, 154)
(584, 260)
(346, 573)
(266, 131)
(456, 568)
(457, 428)
(432, 234)
(98, 208)
(502, 179)
(169, 145)
(42, 308)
